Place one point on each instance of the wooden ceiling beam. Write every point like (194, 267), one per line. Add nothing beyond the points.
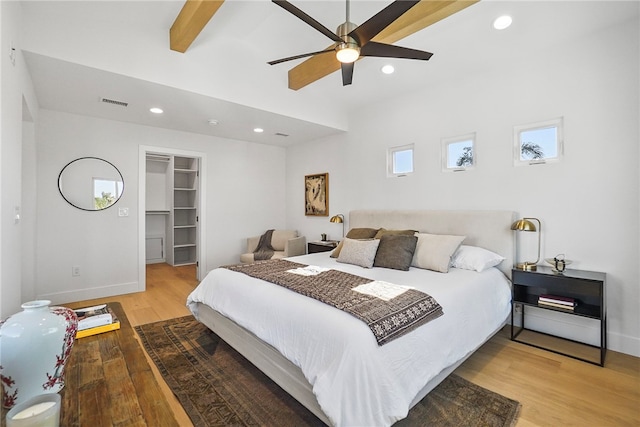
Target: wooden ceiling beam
(420, 16)
(193, 17)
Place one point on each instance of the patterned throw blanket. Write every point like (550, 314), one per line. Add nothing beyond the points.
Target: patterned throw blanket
(388, 318)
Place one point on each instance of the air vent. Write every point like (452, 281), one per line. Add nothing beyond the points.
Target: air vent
(281, 134)
(114, 102)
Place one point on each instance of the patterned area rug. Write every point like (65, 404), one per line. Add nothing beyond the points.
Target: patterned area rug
(218, 387)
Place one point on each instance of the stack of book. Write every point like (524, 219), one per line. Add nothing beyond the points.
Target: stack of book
(96, 320)
(556, 301)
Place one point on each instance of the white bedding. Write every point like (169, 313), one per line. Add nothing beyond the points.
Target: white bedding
(355, 381)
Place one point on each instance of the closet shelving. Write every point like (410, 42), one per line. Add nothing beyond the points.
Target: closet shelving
(184, 211)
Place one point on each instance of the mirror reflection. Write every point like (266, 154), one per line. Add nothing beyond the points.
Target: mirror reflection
(90, 183)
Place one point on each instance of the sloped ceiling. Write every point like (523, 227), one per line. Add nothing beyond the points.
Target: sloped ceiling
(80, 51)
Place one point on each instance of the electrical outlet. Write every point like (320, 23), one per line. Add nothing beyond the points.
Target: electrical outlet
(518, 308)
(75, 270)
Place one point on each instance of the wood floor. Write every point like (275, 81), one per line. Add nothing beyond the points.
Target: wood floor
(554, 390)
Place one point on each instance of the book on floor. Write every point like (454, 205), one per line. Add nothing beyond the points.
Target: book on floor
(96, 320)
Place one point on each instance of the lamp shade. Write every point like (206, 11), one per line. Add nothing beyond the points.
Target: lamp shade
(337, 218)
(523, 225)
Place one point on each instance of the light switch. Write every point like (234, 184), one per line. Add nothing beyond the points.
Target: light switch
(123, 211)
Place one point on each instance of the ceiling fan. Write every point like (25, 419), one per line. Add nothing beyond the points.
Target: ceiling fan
(353, 41)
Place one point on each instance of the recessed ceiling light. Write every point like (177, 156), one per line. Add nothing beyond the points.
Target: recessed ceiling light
(156, 110)
(258, 130)
(388, 69)
(502, 22)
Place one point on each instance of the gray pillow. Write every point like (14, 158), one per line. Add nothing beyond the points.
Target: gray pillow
(381, 232)
(395, 251)
(434, 251)
(359, 252)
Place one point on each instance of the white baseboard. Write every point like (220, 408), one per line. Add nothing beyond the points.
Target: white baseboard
(90, 293)
(577, 328)
(624, 344)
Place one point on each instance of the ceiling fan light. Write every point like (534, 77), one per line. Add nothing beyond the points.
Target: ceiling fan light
(348, 55)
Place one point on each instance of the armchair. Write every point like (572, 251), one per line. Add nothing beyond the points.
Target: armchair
(286, 243)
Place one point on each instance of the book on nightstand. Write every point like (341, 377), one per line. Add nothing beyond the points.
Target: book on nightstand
(96, 320)
(556, 301)
(554, 305)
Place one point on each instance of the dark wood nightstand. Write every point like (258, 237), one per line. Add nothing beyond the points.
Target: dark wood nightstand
(321, 246)
(586, 288)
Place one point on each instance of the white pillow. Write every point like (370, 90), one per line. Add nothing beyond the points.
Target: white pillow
(434, 251)
(359, 252)
(475, 258)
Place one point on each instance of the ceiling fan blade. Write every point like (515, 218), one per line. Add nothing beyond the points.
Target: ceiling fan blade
(304, 55)
(347, 73)
(309, 20)
(381, 20)
(383, 50)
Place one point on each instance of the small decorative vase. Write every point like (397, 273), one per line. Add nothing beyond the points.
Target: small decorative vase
(34, 347)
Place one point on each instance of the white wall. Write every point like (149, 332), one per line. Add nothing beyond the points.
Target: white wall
(588, 203)
(28, 210)
(245, 196)
(17, 97)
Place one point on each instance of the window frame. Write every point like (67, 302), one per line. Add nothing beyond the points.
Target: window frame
(391, 160)
(557, 123)
(446, 142)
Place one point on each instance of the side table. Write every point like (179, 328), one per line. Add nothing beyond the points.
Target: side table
(586, 288)
(321, 246)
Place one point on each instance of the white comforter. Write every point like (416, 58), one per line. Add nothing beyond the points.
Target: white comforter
(357, 382)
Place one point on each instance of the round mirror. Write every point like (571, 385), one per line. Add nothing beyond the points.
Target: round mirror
(90, 183)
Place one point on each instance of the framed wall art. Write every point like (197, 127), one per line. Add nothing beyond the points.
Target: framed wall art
(316, 194)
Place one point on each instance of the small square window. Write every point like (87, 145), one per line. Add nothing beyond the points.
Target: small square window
(538, 143)
(400, 160)
(458, 153)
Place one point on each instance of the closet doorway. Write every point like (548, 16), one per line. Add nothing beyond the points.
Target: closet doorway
(171, 210)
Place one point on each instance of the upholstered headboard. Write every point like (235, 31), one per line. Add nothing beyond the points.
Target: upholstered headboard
(488, 229)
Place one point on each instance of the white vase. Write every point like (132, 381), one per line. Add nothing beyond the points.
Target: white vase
(34, 347)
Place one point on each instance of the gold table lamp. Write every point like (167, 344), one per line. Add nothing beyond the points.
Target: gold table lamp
(339, 218)
(525, 224)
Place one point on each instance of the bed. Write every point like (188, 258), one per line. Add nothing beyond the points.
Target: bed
(329, 360)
